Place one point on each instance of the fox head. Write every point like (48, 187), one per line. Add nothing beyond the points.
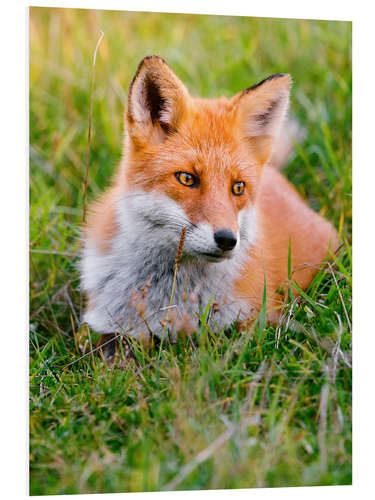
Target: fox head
(197, 162)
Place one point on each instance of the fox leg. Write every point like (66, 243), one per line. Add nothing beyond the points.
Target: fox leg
(111, 344)
(108, 345)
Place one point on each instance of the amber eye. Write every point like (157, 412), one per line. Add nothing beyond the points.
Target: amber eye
(238, 188)
(186, 179)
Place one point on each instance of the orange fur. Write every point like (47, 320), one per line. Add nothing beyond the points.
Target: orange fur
(101, 224)
(218, 141)
(283, 215)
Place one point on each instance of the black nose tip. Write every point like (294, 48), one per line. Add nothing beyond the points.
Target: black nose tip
(225, 239)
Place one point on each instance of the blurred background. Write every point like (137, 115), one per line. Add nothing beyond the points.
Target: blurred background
(213, 55)
(85, 427)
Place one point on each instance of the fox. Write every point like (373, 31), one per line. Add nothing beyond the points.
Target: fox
(207, 168)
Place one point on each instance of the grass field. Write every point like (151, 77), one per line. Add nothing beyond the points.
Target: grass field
(265, 408)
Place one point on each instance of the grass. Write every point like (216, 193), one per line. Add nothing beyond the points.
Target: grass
(265, 408)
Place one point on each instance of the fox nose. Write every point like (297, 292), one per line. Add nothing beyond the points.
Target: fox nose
(225, 239)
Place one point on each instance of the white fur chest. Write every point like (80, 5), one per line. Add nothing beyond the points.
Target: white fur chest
(143, 251)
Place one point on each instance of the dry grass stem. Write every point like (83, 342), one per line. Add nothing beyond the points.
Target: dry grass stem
(176, 264)
(341, 298)
(89, 134)
(53, 252)
(180, 248)
(323, 427)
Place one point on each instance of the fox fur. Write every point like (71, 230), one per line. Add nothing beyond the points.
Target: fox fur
(133, 231)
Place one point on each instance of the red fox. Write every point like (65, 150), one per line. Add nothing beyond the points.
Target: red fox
(204, 165)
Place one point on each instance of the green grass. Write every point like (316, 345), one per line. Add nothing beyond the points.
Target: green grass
(273, 402)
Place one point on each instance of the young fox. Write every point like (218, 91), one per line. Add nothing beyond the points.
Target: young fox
(203, 165)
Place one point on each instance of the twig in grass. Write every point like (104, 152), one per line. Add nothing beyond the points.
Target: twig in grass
(67, 296)
(336, 349)
(209, 451)
(53, 252)
(323, 427)
(252, 385)
(341, 298)
(101, 34)
(290, 314)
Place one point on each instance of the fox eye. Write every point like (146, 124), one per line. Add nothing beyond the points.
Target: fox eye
(238, 188)
(186, 179)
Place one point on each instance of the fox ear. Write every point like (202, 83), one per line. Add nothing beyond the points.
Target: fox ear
(261, 111)
(156, 102)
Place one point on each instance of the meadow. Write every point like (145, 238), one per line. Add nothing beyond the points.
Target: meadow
(268, 407)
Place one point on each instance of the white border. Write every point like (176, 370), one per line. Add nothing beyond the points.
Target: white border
(319, 9)
(14, 206)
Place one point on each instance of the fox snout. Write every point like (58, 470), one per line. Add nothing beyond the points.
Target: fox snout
(205, 242)
(225, 239)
